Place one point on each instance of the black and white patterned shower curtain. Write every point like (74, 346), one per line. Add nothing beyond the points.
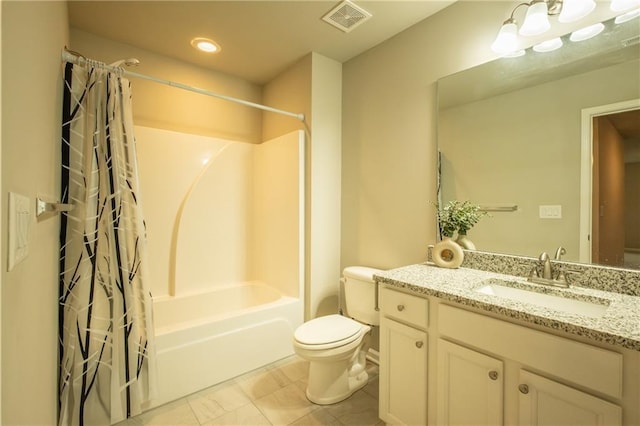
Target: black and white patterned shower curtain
(106, 344)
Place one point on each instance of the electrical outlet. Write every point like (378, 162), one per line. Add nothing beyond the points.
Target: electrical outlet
(550, 212)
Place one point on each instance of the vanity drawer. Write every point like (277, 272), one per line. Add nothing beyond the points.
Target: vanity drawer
(405, 307)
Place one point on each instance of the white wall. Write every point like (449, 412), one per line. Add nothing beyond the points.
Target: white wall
(33, 35)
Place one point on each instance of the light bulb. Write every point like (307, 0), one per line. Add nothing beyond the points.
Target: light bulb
(627, 16)
(622, 5)
(548, 46)
(587, 32)
(536, 20)
(507, 39)
(205, 45)
(573, 10)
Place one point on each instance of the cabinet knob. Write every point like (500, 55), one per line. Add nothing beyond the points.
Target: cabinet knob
(401, 308)
(493, 375)
(523, 389)
(419, 344)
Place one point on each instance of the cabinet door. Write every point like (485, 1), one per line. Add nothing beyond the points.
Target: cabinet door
(545, 402)
(403, 374)
(470, 387)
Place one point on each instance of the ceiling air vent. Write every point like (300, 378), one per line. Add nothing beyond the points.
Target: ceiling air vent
(346, 16)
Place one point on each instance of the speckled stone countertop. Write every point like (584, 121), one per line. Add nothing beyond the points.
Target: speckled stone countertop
(619, 325)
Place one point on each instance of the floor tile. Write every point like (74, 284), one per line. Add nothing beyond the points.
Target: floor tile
(359, 409)
(319, 417)
(247, 415)
(285, 405)
(174, 414)
(273, 395)
(262, 382)
(218, 400)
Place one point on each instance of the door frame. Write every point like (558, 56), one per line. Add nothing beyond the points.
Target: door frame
(586, 168)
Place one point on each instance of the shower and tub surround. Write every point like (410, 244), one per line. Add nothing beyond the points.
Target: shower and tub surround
(206, 338)
(225, 229)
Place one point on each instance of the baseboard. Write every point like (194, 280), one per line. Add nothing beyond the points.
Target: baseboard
(373, 356)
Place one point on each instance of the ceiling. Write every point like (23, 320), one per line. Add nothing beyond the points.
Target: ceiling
(259, 39)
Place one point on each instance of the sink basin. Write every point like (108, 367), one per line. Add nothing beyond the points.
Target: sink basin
(519, 292)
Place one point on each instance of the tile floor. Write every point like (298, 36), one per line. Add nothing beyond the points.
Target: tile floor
(272, 395)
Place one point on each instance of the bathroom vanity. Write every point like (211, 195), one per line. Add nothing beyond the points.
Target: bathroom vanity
(468, 346)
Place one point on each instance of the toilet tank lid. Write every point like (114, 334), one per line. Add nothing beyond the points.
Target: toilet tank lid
(360, 272)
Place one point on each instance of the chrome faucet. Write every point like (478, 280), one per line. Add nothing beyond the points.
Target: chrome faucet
(545, 263)
(542, 273)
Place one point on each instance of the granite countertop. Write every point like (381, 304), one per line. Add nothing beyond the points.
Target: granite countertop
(619, 325)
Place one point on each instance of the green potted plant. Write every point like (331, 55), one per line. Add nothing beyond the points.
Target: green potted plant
(467, 215)
(459, 216)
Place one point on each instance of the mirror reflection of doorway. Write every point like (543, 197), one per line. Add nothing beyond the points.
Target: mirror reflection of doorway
(615, 206)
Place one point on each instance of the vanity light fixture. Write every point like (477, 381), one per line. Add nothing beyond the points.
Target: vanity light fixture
(627, 16)
(536, 22)
(206, 45)
(622, 5)
(574, 10)
(548, 46)
(587, 32)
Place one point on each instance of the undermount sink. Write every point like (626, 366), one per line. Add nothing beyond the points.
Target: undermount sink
(563, 302)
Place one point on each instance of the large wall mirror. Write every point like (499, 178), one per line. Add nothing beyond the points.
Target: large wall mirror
(549, 143)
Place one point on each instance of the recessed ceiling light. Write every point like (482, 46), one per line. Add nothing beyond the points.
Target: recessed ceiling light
(205, 45)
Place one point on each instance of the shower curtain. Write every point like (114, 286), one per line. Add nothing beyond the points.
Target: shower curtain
(106, 344)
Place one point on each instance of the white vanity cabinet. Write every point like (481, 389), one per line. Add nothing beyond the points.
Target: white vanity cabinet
(547, 402)
(480, 369)
(470, 386)
(403, 358)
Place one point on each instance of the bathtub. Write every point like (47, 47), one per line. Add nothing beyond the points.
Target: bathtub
(206, 338)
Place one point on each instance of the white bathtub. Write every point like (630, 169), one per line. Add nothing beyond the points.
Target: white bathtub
(206, 338)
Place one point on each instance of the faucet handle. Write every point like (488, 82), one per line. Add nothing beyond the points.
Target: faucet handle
(543, 256)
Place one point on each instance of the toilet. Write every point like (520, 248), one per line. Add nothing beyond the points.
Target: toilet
(336, 345)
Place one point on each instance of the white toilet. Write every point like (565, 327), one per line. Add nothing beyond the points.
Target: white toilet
(335, 345)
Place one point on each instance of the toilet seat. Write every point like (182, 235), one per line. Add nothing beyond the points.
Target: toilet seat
(328, 332)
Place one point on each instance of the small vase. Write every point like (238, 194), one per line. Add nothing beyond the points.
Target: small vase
(447, 254)
(465, 242)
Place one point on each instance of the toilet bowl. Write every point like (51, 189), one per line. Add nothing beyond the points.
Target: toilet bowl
(336, 348)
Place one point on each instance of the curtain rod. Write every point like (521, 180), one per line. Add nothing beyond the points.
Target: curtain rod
(75, 58)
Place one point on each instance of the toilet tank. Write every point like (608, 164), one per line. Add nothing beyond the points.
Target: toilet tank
(359, 294)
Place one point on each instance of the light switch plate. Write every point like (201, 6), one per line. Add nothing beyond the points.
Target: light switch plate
(550, 212)
(19, 224)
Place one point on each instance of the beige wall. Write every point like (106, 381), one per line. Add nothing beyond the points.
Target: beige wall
(164, 107)
(33, 35)
(313, 86)
(389, 132)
